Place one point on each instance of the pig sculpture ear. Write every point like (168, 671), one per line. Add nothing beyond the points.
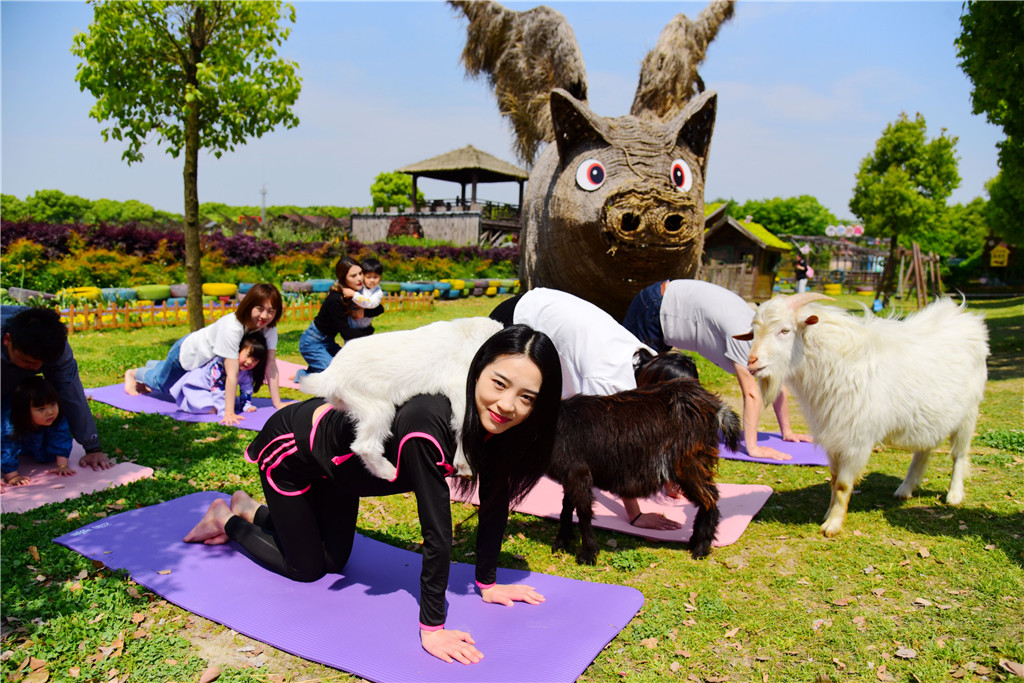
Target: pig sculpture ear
(692, 127)
(746, 336)
(574, 123)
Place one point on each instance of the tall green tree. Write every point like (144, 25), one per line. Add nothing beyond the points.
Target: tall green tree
(803, 215)
(991, 52)
(902, 187)
(394, 189)
(191, 75)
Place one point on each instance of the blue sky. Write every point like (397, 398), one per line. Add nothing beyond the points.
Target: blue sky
(804, 91)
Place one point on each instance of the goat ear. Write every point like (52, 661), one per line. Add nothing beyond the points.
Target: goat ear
(746, 336)
(811, 320)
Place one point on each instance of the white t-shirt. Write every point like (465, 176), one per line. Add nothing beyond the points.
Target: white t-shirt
(596, 352)
(701, 317)
(220, 339)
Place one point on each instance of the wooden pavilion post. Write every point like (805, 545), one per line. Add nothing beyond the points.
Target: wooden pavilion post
(414, 207)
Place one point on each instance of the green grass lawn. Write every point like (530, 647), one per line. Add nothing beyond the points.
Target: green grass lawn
(915, 591)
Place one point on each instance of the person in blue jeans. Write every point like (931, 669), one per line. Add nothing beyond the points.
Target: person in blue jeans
(317, 344)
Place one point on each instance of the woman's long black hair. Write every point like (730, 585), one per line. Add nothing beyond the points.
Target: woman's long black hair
(512, 462)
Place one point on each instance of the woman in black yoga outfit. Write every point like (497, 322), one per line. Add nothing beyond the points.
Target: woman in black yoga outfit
(312, 482)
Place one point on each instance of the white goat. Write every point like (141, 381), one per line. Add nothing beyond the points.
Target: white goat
(371, 376)
(865, 380)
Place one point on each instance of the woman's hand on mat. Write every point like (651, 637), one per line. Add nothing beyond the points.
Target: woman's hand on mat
(451, 645)
(797, 438)
(231, 419)
(768, 453)
(97, 461)
(656, 520)
(506, 594)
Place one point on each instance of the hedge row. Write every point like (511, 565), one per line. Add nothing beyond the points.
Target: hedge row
(49, 257)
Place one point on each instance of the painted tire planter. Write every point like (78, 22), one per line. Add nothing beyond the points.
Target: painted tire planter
(491, 291)
(118, 294)
(300, 287)
(321, 285)
(417, 286)
(389, 286)
(219, 289)
(176, 301)
(179, 291)
(23, 295)
(244, 287)
(89, 293)
(833, 288)
(153, 292)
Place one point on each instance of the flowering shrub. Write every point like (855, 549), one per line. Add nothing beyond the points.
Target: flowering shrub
(48, 257)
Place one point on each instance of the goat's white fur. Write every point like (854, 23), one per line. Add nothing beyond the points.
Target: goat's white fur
(371, 376)
(866, 380)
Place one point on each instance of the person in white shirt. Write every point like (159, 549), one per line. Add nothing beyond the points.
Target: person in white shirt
(597, 356)
(702, 317)
(259, 310)
(369, 295)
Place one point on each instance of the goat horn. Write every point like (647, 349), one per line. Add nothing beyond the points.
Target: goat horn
(797, 300)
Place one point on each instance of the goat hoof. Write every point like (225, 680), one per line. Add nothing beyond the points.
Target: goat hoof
(587, 558)
(831, 529)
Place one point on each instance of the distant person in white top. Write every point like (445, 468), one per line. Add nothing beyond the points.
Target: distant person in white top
(701, 317)
(597, 356)
(369, 295)
(259, 310)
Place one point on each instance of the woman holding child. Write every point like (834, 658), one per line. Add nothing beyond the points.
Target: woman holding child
(259, 311)
(312, 482)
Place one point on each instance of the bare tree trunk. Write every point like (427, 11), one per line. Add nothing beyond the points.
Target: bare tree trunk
(885, 282)
(193, 267)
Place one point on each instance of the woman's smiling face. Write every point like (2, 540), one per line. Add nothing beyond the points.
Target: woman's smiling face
(506, 391)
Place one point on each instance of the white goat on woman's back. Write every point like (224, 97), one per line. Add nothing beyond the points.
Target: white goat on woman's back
(864, 380)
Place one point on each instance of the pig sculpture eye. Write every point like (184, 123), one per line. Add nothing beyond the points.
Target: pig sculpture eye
(590, 175)
(682, 176)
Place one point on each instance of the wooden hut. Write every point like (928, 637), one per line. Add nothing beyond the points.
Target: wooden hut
(467, 166)
(741, 255)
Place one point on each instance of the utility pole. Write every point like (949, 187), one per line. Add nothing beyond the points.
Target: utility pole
(263, 207)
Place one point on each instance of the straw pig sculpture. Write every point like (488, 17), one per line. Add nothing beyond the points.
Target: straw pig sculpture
(614, 203)
(864, 380)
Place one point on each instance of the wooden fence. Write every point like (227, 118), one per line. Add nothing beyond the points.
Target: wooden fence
(131, 314)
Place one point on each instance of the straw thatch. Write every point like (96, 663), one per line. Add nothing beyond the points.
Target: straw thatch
(466, 165)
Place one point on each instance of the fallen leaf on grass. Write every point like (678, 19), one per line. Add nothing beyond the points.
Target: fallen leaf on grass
(923, 552)
(74, 672)
(649, 643)
(674, 666)
(33, 552)
(906, 653)
(1016, 668)
(878, 592)
(212, 673)
(164, 571)
(732, 633)
(38, 676)
(922, 602)
(138, 618)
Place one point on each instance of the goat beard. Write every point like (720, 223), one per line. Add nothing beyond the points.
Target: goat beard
(770, 387)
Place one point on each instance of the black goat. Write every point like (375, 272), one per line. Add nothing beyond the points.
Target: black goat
(632, 443)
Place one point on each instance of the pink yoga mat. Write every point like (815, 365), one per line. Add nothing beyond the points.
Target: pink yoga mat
(803, 453)
(738, 504)
(49, 488)
(363, 620)
(285, 371)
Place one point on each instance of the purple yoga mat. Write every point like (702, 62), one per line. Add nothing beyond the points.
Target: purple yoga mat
(364, 621)
(803, 453)
(163, 404)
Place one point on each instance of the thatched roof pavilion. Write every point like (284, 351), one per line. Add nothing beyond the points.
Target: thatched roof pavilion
(466, 166)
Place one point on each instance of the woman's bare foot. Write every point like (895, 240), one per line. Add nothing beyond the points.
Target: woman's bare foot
(244, 506)
(210, 529)
(131, 386)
